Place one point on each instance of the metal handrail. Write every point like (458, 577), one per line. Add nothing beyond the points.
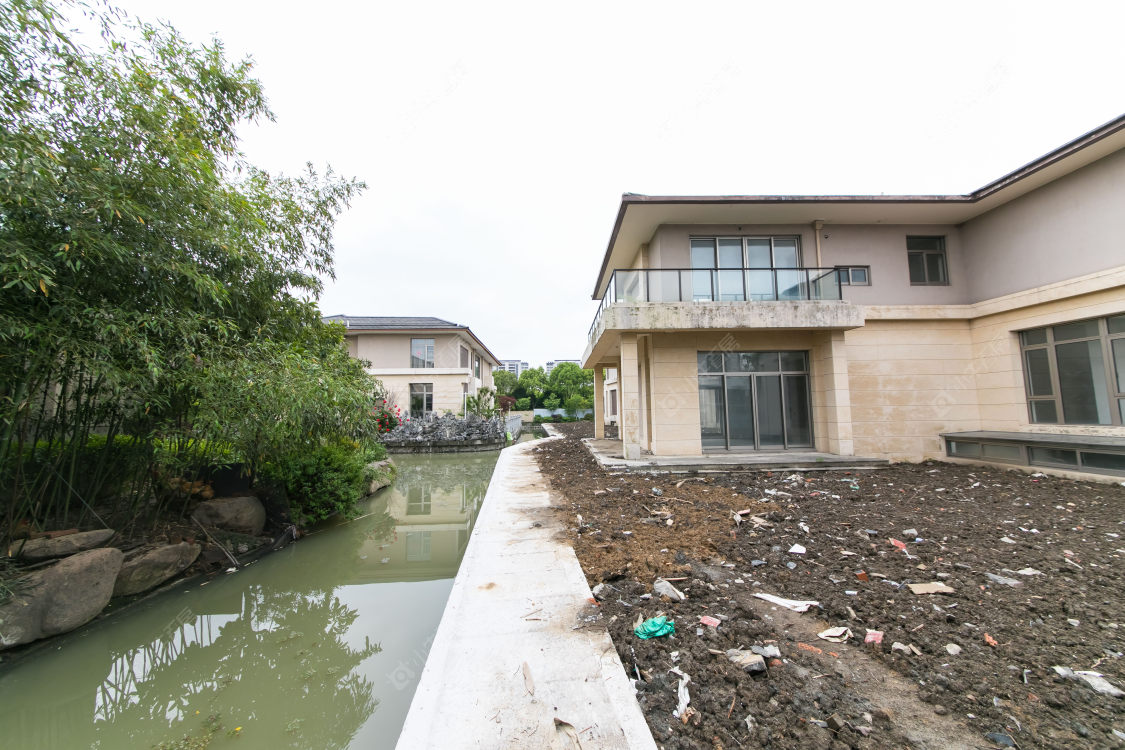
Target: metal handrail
(719, 285)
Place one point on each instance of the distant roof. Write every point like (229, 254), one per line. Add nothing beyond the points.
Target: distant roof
(390, 323)
(356, 323)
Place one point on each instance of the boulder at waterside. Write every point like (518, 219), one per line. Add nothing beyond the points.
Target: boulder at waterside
(46, 548)
(60, 598)
(383, 475)
(245, 515)
(143, 572)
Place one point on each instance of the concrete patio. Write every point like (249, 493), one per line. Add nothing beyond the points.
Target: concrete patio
(610, 455)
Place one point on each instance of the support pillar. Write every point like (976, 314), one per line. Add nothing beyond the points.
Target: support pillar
(629, 386)
(836, 394)
(599, 402)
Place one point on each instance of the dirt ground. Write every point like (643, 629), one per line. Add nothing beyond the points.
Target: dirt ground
(1034, 564)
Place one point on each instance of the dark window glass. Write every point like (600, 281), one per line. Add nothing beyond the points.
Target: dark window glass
(798, 420)
(710, 362)
(758, 253)
(1003, 452)
(1044, 412)
(794, 362)
(1052, 456)
(1039, 372)
(917, 268)
(1113, 461)
(961, 448)
(421, 399)
(730, 253)
(1034, 336)
(859, 276)
(1116, 324)
(1119, 363)
(1082, 383)
(1083, 329)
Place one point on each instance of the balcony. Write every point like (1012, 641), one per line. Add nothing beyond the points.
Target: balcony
(640, 288)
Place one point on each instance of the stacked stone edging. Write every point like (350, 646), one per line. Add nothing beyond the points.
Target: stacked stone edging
(448, 434)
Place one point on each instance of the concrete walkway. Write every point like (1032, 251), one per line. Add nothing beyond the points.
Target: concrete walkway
(512, 664)
(610, 456)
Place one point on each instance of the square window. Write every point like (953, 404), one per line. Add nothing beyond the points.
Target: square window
(421, 352)
(926, 260)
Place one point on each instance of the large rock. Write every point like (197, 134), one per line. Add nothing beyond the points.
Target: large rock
(46, 548)
(246, 514)
(384, 475)
(60, 598)
(154, 567)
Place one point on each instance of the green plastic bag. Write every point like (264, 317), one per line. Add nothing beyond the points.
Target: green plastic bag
(654, 627)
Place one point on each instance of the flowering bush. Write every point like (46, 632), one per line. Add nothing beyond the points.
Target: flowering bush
(387, 416)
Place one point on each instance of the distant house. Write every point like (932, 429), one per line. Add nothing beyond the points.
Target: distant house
(428, 365)
(988, 326)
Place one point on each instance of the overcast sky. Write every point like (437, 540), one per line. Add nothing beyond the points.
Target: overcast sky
(497, 138)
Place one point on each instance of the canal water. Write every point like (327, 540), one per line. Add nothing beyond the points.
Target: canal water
(320, 645)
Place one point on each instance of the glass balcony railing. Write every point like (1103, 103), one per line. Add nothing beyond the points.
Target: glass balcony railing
(719, 285)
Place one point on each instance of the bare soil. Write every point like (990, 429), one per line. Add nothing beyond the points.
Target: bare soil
(1053, 546)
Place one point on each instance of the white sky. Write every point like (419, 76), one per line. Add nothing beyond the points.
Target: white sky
(496, 138)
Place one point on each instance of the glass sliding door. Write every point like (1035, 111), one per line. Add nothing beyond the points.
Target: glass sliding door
(755, 400)
(740, 410)
(771, 424)
(712, 411)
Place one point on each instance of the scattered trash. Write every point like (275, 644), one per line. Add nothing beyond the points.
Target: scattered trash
(836, 723)
(681, 692)
(898, 544)
(952, 649)
(1073, 623)
(937, 587)
(1095, 680)
(600, 591)
(1000, 739)
(835, 635)
(797, 549)
(1029, 572)
(791, 565)
(873, 636)
(793, 604)
(804, 527)
(657, 492)
(663, 588)
(709, 621)
(910, 532)
(655, 627)
(1007, 540)
(1003, 580)
(757, 563)
(749, 721)
(748, 660)
(769, 652)
(990, 640)
(862, 575)
(902, 647)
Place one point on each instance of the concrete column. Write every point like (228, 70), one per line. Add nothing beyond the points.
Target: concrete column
(629, 387)
(599, 402)
(836, 395)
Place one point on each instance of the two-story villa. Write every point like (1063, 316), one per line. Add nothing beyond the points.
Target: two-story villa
(987, 326)
(428, 365)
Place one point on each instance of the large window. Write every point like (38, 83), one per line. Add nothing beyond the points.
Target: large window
(421, 352)
(1075, 372)
(718, 262)
(421, 400)
(476, 366)
(926, 258)
(464, 357)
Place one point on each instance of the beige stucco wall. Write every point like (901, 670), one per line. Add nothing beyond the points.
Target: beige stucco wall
(1064, 229)
(909, 382)
(448, 389)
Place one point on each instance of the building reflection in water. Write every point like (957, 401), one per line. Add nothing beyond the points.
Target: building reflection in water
(296, 648)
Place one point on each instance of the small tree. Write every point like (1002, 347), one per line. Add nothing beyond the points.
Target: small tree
(505, 382)
(551, 402)
(523, 404)
(575, 404)
(482, 404)
(506, 403)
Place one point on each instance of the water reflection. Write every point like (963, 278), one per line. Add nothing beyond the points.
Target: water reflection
(320, 645)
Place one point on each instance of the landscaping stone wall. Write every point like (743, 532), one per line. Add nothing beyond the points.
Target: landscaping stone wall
(447, 434)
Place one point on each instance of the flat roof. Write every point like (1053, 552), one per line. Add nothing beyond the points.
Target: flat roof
(639, 215)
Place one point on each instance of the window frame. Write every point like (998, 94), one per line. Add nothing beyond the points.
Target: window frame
(428, 351)
(743, 238)
(845, 275)
(925, 254)
(1106, 340)
(427, 390)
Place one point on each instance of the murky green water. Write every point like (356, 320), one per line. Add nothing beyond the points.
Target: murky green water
(319, 645)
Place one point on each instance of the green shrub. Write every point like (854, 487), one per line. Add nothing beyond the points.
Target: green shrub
(523, 404)
(324, 481)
